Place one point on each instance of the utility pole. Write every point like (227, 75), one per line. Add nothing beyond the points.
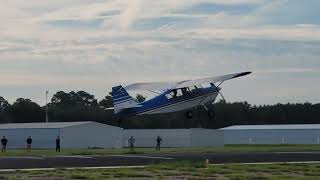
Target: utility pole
(47, 119)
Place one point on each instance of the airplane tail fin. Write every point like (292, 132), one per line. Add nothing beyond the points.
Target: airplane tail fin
(121, 99)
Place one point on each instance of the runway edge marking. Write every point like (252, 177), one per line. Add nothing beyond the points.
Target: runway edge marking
(73, 156)
(21, 157)
(141, 156)
(266, 163)
(72, 168)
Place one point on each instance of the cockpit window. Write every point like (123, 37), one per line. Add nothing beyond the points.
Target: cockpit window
(199, 86)
(179, 93)
(169, 96)
(174, 94)
(185, 91)
(192, 88)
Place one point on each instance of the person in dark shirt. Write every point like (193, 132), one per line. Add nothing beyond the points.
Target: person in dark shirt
(4, 143)
(29, 142)
(131, 143)
(159, 140)
(58, 144)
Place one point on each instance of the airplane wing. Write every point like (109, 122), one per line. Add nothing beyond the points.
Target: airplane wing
(151, 86)
(181, 84)
(211, 79)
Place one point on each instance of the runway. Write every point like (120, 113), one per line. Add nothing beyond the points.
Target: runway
(147, 159)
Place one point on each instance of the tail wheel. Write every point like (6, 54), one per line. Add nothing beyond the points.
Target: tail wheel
(211, 114)
(189, 114)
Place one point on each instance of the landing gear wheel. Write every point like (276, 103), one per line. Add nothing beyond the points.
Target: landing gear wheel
(211, 114)
(189, 114)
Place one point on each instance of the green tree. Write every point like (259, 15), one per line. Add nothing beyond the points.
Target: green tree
(74, 98)
(25, 111)
(61, 99)
(106, 102)
(85, 99)
(77, 106)
(4, 105)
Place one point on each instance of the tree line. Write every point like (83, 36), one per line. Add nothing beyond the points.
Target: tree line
(82, 106)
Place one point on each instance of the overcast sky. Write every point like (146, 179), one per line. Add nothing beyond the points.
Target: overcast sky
(92, 45)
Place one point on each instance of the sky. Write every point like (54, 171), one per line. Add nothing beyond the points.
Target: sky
(92, 45)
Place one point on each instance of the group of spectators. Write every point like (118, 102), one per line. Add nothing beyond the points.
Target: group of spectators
(4, 142)
(132, 140)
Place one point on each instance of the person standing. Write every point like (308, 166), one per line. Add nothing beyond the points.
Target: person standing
(58, 144)
(4, 142)
(131, 143)
(29, 142)
(159, 140)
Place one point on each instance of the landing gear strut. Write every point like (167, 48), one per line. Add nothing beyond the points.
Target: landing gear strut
(211, 113)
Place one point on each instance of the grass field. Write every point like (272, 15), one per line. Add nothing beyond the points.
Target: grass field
(175, 170)
(227, 148)
(180, 170)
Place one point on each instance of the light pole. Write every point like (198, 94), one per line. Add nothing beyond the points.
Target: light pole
(47, 119)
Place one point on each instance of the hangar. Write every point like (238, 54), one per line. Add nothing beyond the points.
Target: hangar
(72, 134)
(194, 137)
(272, 134)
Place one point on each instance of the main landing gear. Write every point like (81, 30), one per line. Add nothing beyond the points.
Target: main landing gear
(211, 114)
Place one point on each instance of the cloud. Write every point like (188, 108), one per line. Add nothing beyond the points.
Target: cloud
(94, 44)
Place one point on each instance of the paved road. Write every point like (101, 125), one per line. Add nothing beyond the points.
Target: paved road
(145, 159)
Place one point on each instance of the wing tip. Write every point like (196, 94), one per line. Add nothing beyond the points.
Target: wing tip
(242, 74)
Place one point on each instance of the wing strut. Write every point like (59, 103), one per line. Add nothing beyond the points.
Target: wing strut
(220, 83)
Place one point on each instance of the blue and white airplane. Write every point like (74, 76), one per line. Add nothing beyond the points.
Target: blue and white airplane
(174, 96)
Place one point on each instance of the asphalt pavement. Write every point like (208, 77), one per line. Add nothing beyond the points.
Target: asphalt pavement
(147, 159)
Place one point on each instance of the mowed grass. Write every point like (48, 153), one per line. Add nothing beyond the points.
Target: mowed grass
(110, 151)
(180, 170)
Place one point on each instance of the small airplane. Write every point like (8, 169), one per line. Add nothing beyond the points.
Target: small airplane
(173, 96)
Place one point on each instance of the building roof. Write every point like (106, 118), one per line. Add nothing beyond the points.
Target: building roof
(49, 125)
(286, 126)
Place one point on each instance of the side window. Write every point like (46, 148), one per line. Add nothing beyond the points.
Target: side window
(169, 95)
(192, 88)
(174, 94)
(185, 91)
(179, 93)
(199, 86)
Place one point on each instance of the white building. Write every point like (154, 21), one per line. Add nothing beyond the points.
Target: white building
(272, 134)
(93, 134)
(72, 134)
(175, 137)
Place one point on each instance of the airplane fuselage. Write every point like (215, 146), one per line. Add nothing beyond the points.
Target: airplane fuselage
(175, 100)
